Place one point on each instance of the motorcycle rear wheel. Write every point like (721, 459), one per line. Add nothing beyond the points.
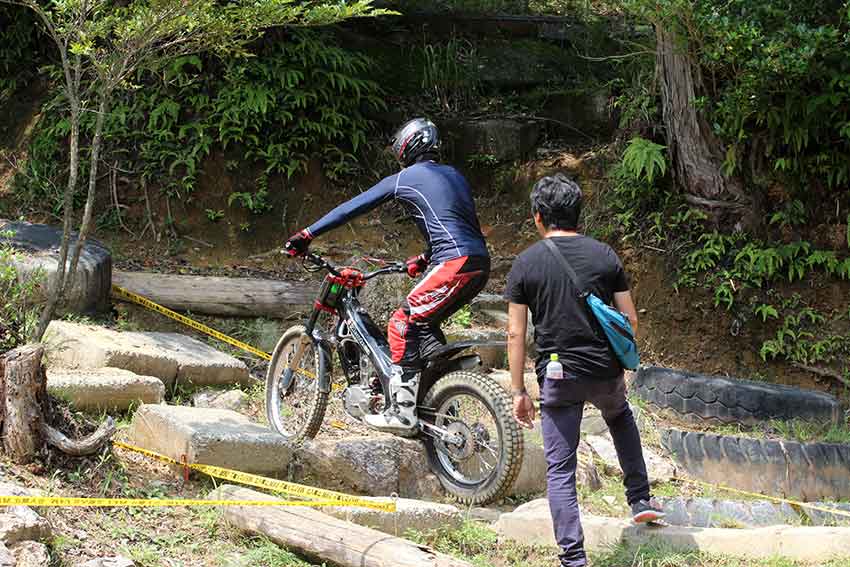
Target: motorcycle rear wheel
(298, 412)
(476, 408)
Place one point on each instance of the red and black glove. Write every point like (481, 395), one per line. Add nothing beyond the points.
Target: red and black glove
(298, 243)
(416, 265)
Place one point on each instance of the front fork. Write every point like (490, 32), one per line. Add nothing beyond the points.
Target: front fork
(294, 363)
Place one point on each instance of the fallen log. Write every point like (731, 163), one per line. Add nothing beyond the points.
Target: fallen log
(213, 295)
(325, 538)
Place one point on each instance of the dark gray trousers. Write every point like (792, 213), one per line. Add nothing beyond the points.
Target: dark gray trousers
(562, 407)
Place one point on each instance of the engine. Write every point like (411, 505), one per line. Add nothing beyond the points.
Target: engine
(357, 401)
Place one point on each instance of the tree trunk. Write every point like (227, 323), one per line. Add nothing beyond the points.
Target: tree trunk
(85, 224)
(697, 154)
(23, 396)
(56, 291)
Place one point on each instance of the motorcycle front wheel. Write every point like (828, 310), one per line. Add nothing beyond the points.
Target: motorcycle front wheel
(484, 459)
(295, 410)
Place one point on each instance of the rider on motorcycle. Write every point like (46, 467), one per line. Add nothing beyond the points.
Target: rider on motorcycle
(439, 200)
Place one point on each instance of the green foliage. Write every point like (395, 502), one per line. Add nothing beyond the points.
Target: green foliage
(729, 264)
(462, 317)
(18, 316)
(290, 101)
(450, 73)
(214, 215)
(776, 78)
(18, 49)
(643, 160)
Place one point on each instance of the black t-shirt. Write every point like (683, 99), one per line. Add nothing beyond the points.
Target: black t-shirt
(562, 324)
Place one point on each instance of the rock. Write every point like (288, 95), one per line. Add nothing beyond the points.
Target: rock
(39, 247)
(592, 422)
(382, 296)
(104, 388)
(377, 466)
(21, 523)
(500, 138)
(531, 524)
(493, 350)
(31, 554)
(209, 436)
(532, 475)
(117, 561)
(233, 400)
(658, 468)
(410, 514)
(493, 310)
(503, 377)
(171, 357)
(7, 559)
(489, 515)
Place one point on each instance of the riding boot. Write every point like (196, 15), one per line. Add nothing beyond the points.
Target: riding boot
(400, 416)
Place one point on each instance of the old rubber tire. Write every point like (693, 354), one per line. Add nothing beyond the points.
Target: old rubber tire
(497, 400)
(807, 471)
(315, 401)
(715, 399)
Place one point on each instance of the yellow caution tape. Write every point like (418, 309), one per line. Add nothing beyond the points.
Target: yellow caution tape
(257, 481)
(145, 502)
(145, 302)
(765, 497)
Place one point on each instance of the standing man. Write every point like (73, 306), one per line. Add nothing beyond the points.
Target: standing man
(564, 325)
(439, 200)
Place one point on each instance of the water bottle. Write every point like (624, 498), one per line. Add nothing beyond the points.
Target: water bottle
(554, 370)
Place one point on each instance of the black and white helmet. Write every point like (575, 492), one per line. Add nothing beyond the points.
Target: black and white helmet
(415, 138)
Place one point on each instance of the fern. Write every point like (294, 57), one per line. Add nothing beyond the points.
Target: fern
(644, 159)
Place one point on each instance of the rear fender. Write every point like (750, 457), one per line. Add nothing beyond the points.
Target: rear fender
(438, 368)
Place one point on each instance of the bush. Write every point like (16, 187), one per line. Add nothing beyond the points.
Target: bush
(18, 316)
(293, 99)
(775, 77)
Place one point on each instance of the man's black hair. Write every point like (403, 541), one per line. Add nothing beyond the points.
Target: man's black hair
(558, 200)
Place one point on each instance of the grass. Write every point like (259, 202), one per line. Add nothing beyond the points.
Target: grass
(792, 430)
(657, 554)
(480, 546)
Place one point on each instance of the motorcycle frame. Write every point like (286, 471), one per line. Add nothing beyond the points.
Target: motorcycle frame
(368, 336)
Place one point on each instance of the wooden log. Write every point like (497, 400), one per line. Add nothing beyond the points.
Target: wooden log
(24, 384)
(325, 538)
(82, 447)
(212, 295)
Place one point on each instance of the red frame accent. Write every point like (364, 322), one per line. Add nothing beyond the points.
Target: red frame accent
(323, 307)
(350, 278)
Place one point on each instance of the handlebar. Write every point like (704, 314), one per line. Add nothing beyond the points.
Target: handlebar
(322, 263)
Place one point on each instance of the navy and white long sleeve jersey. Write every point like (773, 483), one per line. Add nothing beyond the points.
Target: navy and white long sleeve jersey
(436, 196)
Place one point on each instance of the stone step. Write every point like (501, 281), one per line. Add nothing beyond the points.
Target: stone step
(494, 351)
(531, 524)
(380, 465)
(209, 436)
(418, 515)
(104, 389)
(658, 467)
(171, 357)
(503, 377)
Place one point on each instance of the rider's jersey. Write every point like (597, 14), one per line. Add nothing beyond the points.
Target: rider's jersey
(436, 196)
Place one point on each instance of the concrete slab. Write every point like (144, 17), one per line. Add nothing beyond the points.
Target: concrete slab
(380, 465)
(106, 389)
(211, 437)
(419, 515)
(171, 357)
(531, 523)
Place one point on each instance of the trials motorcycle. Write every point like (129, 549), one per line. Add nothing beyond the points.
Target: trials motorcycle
(474, 446)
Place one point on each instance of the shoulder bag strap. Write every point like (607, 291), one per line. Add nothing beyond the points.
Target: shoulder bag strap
(571, 273)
